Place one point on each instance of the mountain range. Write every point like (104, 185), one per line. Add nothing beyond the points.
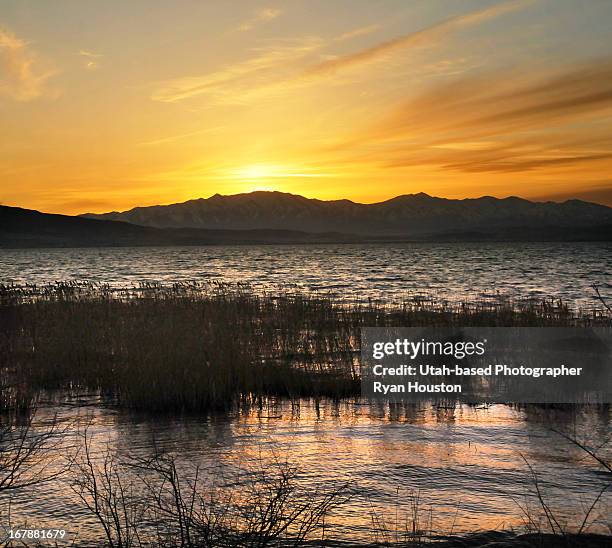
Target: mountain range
(409, 216)
(275, 217)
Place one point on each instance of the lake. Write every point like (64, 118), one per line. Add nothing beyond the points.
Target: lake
(465, 464)
(456, 271)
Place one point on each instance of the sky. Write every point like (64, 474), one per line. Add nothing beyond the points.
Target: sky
(107, 105)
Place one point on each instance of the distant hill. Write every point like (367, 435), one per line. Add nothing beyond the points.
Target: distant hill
(27, 228)
(411, 216)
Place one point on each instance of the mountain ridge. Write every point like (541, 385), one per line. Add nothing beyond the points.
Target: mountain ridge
(246, 219)
(26, 228)
(408, 215)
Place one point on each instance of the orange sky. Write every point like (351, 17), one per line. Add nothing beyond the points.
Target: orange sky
(109, 105)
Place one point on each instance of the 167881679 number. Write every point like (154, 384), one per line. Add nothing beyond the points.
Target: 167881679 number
(37, 534)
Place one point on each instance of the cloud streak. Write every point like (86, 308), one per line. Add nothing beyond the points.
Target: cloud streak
(21, 78)
(256, 72)
(355, 33)
(503, 122)
(424, 37)
(285, 67)
(179, 136)
(262, 16)
(498, 103)
(91, 59)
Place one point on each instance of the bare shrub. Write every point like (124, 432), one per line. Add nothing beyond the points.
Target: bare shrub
(144, 501)
(546, 521)
(28, 457)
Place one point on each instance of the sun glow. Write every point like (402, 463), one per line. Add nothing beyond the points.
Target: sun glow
(256, 172)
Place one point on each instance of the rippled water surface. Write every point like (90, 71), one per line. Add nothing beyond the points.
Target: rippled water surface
(390, 271)
(466, 464)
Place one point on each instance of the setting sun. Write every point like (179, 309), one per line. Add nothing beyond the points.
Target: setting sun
(256, 172)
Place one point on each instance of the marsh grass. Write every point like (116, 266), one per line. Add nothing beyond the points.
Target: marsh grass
(194, 348)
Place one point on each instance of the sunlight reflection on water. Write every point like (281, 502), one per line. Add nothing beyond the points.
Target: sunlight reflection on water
(389, 271)
(465, 464)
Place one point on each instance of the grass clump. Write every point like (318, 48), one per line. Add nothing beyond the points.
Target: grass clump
(195, 348)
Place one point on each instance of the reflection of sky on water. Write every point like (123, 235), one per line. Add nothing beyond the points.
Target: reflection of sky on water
(390, 271)
(465, 464)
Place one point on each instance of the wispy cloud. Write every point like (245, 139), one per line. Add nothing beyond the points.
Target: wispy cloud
(262, 16)
(424, 37)
(502, 122)
(288, 65)
(498, 103)
(21, 76)
(268, 65)
(361, 31)
(180, 136)
(92, 60)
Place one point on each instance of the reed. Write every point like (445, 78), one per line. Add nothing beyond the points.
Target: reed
(196, 348)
